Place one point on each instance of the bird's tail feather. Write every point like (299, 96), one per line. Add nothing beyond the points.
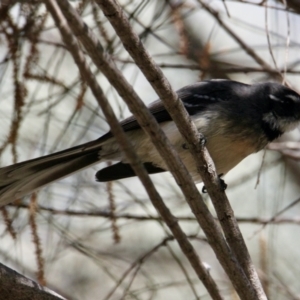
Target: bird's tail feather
(24, 178)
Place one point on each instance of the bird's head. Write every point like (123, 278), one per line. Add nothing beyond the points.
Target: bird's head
(280, 107)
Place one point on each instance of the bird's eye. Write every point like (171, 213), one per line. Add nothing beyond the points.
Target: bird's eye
(286, 101)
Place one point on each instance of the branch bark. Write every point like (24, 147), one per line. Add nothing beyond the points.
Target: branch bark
(16, 286)
(132, 157)
(205, 165)
(179, 171)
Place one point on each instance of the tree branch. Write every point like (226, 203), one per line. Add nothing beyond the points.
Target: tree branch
(132, 157)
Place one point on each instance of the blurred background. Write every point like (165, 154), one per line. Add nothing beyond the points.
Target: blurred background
(89, 240)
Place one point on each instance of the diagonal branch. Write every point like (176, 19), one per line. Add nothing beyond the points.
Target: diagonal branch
(132, 157)
(189, 131)
(147, 122)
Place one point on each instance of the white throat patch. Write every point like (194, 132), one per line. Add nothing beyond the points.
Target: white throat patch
(282, 124)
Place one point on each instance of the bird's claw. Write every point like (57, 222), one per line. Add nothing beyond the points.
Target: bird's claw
(202, 140)
(222, 184)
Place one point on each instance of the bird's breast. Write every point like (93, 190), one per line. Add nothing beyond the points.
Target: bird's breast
(226, 147)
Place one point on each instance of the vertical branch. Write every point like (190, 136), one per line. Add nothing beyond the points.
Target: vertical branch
(36, 239)
(112, 205)
(8, 222)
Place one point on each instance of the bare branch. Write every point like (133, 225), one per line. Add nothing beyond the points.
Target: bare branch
(16, 286)
(157, 201)
(204, 163)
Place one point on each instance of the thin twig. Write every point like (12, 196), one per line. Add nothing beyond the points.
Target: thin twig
(36, 240)
(129, 216)
(241, 42)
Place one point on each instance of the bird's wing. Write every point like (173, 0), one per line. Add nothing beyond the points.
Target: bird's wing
(196, 98)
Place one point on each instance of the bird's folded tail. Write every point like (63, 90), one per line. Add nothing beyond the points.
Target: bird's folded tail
(24, 178)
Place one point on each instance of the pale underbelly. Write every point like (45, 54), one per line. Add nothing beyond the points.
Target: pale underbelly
(225, 151)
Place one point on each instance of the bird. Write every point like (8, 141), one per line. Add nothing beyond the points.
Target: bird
(236, 119)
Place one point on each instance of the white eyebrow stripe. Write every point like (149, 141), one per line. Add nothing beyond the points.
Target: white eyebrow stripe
(292, 97)
(274, 97)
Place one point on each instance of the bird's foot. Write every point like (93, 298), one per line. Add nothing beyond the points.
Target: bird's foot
(222, 183)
